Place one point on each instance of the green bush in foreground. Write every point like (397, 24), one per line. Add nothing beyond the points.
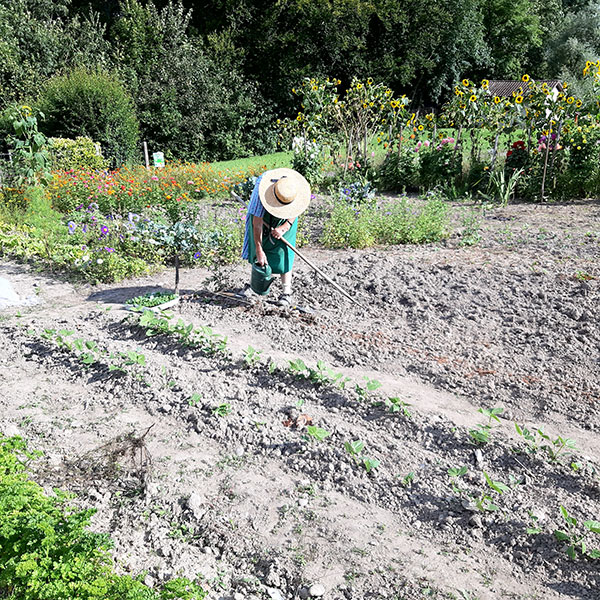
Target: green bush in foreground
(400, 222)
(46, 552)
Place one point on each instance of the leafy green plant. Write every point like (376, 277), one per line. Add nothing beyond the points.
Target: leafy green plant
(222, 410)
(575, 536)
(354, 449)
(252, 356)
(408, 479)
(94, 104)
(370, 385)
(151, 299)
(324, 375)
(202, 338)
(396, 405)
(317, 434)
(30, 158)
(297, 367)
(81, 153)
(195, 399)
(537, 439)
(455, 473)
(47, 549)
(480, 434)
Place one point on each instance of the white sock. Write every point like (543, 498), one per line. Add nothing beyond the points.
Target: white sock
(286, 283)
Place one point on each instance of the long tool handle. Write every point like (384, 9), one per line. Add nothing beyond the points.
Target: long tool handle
(328, 279)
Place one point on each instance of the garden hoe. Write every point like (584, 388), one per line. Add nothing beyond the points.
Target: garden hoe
(310, 264)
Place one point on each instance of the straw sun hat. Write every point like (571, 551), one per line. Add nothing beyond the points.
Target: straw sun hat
(284, 193)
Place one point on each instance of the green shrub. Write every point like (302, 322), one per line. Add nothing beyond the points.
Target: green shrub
(398, 172)
(81, 153)
(349, 227)
(398, 222)
(439, 164)
(95, 105)
(46, 550)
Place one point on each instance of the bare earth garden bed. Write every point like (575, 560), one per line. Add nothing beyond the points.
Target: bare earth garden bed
(200, 459)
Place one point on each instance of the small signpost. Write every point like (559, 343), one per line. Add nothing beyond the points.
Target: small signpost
(159, 160)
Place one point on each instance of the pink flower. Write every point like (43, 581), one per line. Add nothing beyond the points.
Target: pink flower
(190, 183)
(154, 178)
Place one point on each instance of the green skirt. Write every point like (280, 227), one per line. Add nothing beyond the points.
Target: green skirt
(279, 256)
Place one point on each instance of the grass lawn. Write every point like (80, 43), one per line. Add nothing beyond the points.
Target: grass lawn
(260, 163)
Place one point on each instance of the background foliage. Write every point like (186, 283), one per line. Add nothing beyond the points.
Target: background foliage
(208, 77)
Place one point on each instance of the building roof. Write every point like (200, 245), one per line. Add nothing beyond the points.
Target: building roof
(504, 88)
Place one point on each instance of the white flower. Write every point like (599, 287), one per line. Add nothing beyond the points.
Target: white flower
(99, 261)
(85, 257)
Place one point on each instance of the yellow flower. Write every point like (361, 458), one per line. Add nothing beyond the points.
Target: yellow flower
(299, 118)
(578, 103)
(465, 82)
(473, 98)
(497, 100)
(519, 99)
(369, 81)
(420, 128)
(570, 100)
(588, 64)
(525, 78)
(359, 86)
(485, 84)
(578, 147)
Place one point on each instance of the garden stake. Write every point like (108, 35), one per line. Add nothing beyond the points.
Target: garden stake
(299, 255)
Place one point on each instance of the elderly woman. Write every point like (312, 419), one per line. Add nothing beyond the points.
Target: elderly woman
(279, 196)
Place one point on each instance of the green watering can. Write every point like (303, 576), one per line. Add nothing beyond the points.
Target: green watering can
(261, 279)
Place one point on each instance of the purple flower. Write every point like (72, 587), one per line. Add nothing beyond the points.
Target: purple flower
(107, 249)
(93, 206)
(133, 217)
(198, 254)
(84, 228)
(72, 227)
(104, 230)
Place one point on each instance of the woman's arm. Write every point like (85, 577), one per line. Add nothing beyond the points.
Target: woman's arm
(257, 226)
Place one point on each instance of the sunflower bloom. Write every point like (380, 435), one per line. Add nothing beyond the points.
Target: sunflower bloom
(465, 82)
(473, 98)
(519, 99)
(525, 78)
(497, 100)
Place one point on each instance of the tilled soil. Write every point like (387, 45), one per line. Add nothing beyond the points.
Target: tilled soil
(227, 484)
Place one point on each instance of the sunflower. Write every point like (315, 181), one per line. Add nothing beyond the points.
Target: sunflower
(473, 98)
(485, 84)
(525, 78)
(570, 100)
(519, 99)
(578, 103)
(497, 100)
(465, 82)
(420, 128)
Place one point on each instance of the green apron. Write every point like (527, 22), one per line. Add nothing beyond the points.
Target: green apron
(279, 256)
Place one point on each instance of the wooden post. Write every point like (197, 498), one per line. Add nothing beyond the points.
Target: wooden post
(146, 155)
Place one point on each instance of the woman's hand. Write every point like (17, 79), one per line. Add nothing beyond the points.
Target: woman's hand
(261, 257)
(279, 232)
